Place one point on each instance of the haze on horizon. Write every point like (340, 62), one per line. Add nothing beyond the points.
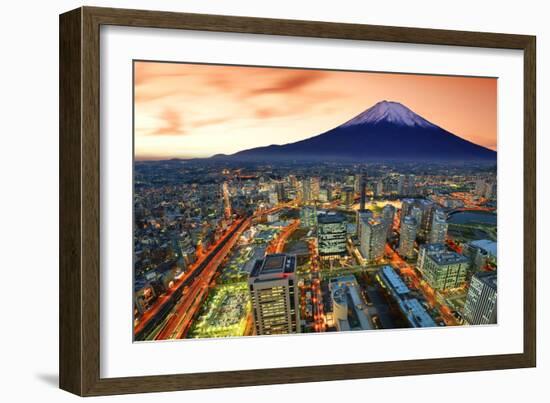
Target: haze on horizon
(191, 110)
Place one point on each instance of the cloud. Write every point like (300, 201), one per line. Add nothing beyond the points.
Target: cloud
(173, 124)
(293, 81)
(209, 122)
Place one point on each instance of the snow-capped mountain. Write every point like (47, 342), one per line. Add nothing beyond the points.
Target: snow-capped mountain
(387, 131)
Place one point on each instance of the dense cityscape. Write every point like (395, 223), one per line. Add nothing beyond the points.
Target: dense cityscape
(229, 248)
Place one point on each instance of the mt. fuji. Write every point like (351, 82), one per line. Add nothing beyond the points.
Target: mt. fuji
(387, 131)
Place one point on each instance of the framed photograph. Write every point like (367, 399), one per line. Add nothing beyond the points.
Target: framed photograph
(249, 201)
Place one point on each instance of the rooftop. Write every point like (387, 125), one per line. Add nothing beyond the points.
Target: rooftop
(278, 263)
(330, 218)
(489, 278)
(394, 280)
(487, 245)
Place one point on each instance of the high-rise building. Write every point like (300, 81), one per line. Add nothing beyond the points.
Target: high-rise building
(406, 185)
(427, 207)
(363, 192)
(379, 189)
(407, 236)
(226, 200)
(331, 235)
(481, 302)
(441, 268)
(438, 232)
(273, 197)
(280, 189)
(272, 286)
(306, 190)
(406, 206)
(480, 188)
(308, 217)
(373, 239)
(416, 213)
(388, 215)
(348, 196)
(361, 216)
(315, 187)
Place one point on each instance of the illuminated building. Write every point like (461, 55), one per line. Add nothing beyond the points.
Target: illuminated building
(388, 215)
(363, 193)
(348, 196)
(315, 188)
(481, 253)
(308, 217)
(407, 236)
(481, 302)
(331, 235)
(226, 200)
(373, 239)
(306, 190)
(348, 306)
(379, 189)
(441, 268)
(438, 232)
(361, 216)
(273, 198)
(272, 286)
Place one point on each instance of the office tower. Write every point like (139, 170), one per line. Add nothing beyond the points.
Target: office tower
(427, 207)
(308, 217)
(438, 232)
(280, 189)
(348, 196)
(273, 197)
(226, 200)
(400, 184)
(410, 187)
(358, 182)
(348, 306)
(323, 195)
(373, 239)
(441, 268)
(306, 190)
(272, 286)
(406, 206)
(363, 195)
(331, 235)
(388, 215)
(481, 302)
(407, 236)
(362, 215)
(416, 213)
(379, 189)
(315, 187)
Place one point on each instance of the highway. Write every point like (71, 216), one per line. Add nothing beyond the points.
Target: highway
(162, 308)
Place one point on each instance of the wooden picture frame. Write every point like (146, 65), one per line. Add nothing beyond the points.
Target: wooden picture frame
(79, 346)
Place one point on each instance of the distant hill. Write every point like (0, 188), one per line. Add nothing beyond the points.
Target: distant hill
(388, 131)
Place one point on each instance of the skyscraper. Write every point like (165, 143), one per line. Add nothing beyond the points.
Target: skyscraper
(481, 302)
(438, 232)
(373, 239)
(331, 235)
(315, 187)
(347, 196)
(308, 217)
(407, 236)
(363, 193)
(388, 215)
(306, 190)
(272, 286)
(362, 215)
(226, 200)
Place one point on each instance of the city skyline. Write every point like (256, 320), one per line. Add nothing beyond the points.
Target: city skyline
(343, 201)
(189, 110)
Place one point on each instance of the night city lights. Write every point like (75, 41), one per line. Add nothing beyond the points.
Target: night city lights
(273, 201)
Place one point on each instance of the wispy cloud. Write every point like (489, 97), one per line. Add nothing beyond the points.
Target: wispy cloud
(172, 123)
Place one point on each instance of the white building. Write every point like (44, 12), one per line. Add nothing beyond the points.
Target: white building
(272, 287)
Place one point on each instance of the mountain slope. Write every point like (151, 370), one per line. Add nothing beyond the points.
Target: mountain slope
(388, 131)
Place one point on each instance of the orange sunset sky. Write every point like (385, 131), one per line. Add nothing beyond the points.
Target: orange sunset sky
(190, 110)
